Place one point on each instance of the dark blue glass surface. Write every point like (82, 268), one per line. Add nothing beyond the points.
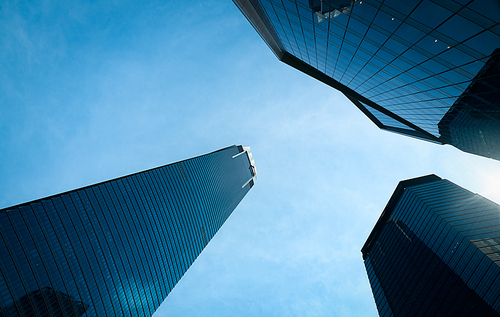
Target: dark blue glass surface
(437, 253)
(119, 247)
(416, 59)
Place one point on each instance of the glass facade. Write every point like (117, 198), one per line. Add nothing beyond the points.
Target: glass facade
(117, 248)
(435, 252)
(407, 63)
(473, 122)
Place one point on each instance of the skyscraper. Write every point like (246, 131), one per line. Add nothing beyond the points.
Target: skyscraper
(423, 68)
(435, 251)
(117, 248)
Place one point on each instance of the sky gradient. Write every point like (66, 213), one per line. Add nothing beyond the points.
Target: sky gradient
(93, 91)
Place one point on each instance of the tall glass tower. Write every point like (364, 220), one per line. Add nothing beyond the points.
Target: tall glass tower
(117, 248)
(428, 69)
(435, 251)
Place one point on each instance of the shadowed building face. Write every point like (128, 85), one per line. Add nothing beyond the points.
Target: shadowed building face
(435, 252)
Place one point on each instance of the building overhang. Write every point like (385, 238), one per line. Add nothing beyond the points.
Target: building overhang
(258, 19)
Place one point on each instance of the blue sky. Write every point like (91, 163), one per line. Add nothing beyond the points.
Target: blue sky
(92, 91)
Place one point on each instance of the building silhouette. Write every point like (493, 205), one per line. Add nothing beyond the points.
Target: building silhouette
(119, 247)
(426, 69)
(435, 251)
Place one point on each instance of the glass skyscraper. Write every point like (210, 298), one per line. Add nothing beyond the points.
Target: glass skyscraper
(428, 69)
(117, 248)
(435, 251)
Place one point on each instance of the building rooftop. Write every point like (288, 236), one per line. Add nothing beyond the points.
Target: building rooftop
(390, 207)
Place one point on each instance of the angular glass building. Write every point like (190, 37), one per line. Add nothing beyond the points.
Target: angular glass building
(119, 247)
(435, 251)
(423, 68)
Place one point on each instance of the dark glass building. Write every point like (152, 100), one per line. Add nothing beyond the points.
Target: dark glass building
(423, 68)
(117, 248)
(435, 251)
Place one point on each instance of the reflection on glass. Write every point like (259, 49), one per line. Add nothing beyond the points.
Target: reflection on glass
(327, 9)
(46, 302)
(416, 281)
(472, 124)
